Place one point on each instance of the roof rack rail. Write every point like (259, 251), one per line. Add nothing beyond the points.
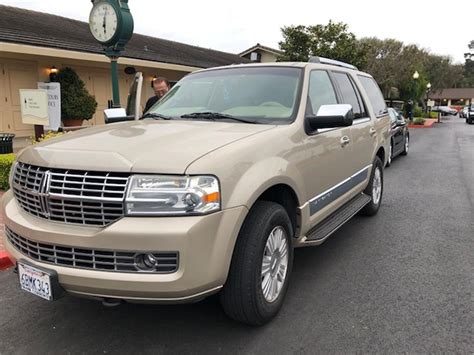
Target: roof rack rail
(322, 60)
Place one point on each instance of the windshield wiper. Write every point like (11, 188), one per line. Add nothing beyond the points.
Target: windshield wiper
(157, 116)
(215, 116)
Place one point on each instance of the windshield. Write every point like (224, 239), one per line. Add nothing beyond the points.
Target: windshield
(260, 94)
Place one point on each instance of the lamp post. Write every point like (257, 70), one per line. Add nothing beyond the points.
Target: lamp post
(411, 102)
(428, 89)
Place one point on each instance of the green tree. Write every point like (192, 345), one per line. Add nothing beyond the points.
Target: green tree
(442, 73)
(332, 41)
(383, 63)
(76, 102)
(393, 64)
(468, 68)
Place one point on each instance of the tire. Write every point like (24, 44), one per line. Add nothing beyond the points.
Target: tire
(373, 206)
(469, 120)
(242, 297)
(406, 145)
(390, 155)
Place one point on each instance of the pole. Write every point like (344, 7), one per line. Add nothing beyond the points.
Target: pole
(115, 83)
(39, 131)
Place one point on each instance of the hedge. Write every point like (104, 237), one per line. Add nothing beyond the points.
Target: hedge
(6, 161)
(419, 121)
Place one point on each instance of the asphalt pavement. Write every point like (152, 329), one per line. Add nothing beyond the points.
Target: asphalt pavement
(402, 281)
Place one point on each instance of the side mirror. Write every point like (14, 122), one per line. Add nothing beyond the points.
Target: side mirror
(332, 116)
(113, 115)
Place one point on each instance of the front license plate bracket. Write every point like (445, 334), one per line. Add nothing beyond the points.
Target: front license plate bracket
(56, 291)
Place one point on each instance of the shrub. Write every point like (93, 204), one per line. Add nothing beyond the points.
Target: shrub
(76, 102)
(6, 161)
(419, 121)
(417, 112)
(46, 136)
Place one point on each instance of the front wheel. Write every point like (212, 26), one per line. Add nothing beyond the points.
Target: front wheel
(406, 145)
(374, 189)
(390, 155)
(261, 265)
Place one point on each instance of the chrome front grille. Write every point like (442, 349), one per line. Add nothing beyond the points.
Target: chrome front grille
(70, 196)
(93, 259)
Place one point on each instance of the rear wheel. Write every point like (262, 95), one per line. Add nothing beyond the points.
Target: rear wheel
(374, 189)
(261, 265)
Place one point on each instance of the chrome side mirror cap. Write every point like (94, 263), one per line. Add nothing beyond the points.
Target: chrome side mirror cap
(332, 116)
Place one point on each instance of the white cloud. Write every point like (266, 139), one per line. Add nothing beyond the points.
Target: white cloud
(235, 26)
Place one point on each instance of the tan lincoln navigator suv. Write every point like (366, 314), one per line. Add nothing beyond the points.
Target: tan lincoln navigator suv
(210, 192)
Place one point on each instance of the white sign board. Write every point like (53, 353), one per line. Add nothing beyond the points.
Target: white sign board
(54, 104)
(34, 106)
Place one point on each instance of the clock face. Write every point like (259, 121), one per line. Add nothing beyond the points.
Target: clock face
(103, 22)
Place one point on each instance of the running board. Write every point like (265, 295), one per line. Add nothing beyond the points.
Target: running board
(337, 219)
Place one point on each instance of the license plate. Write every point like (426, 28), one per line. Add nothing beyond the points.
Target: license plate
(35, 281)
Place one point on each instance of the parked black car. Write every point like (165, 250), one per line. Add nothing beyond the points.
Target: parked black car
(470, 114)
(400, 140)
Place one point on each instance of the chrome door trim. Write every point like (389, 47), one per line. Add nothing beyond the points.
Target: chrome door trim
(325, 198)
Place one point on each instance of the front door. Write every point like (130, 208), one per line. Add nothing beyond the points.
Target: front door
(328, 166)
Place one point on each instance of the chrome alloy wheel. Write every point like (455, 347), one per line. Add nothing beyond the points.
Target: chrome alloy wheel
(390, 152)
(407, 140)
(274, 264)
(377, 186)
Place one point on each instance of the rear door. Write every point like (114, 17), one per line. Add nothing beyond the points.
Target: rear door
(362, 129)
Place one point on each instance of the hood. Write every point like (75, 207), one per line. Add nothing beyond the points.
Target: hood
(166, 147)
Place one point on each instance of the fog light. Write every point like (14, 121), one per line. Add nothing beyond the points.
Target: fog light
(146, 262)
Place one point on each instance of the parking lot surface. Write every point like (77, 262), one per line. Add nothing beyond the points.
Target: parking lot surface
(402, 281)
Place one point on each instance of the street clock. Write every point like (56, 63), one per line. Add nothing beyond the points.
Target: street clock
(111, 23)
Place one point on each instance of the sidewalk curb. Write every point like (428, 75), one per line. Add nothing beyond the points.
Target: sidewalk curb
(5, 261)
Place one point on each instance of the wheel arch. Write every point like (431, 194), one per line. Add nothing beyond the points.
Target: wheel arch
(285, 196)
(381, 154)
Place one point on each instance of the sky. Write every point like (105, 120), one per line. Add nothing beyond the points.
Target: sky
(233, 26)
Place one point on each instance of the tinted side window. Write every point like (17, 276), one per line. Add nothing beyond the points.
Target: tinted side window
(321, 91)
(393, 115)
(349, 95)
(375, 95)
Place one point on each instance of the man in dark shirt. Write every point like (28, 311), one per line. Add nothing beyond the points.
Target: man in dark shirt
(160, 86)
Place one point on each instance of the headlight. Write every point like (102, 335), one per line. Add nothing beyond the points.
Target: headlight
(154, 195)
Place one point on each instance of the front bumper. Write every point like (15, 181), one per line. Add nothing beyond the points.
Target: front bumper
(205, 245)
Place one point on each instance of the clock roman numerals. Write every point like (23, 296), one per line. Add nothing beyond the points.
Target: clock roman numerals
(103, 22)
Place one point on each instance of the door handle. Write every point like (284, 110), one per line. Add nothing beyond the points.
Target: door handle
(373, 131)
(345, 141)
